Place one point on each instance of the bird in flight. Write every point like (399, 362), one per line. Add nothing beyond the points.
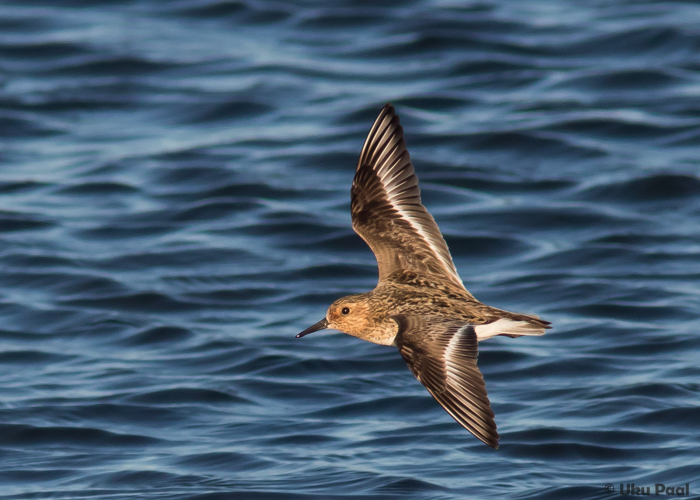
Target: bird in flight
(419, 304)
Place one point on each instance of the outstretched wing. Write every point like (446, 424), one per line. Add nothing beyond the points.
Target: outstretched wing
(442, 355)
(387, 211)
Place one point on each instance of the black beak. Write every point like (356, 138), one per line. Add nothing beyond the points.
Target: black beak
(321, 325)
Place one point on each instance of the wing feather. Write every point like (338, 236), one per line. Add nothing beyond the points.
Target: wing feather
(387, 211)
(442, 354)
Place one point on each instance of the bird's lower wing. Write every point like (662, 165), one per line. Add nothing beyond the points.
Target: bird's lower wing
(442, 354)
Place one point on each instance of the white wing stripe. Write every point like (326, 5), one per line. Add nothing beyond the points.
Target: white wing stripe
(384, 152)
(418, 227)
(451, 346)
(383, 172)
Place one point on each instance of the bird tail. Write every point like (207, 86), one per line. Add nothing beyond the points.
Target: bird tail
(513, 325)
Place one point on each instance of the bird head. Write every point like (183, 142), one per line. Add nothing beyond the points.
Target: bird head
(348, 314)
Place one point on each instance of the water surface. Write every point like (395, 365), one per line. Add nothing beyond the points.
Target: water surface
(174, 207)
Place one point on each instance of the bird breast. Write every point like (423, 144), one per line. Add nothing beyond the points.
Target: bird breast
(382, 333)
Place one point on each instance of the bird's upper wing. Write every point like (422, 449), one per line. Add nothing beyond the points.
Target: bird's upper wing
(442, 355)
(387, 211)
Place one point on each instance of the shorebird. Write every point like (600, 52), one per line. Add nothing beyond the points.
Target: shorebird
(419, 304)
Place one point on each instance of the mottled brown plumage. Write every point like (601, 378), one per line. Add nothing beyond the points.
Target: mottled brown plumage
(420, 304)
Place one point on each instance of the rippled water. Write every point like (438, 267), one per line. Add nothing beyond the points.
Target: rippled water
(174, 194)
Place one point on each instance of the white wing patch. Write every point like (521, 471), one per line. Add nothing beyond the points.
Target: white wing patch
(452, 344)
(451, 365)
(505, 326)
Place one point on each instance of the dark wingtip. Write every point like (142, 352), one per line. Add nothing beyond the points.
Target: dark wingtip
(490, 440)
(388, 109)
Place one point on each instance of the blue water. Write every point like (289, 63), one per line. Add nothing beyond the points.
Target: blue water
(174, 207)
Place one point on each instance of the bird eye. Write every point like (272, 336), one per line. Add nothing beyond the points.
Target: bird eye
(345, 310)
